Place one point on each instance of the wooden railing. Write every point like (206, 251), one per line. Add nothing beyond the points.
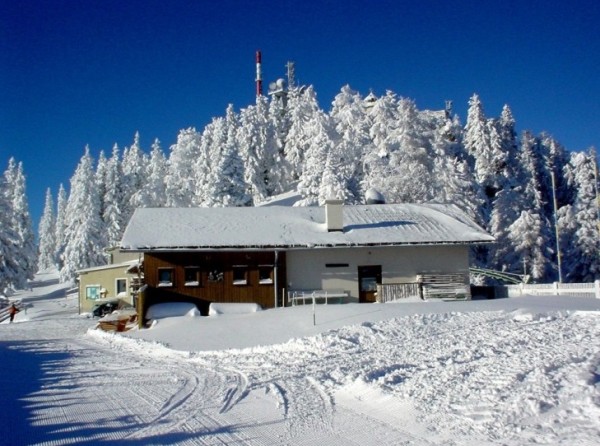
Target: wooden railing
(390, 292)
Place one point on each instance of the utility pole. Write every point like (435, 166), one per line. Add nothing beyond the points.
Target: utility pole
(558, 259)
(593, 156)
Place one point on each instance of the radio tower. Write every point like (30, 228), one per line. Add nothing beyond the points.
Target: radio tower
(259, 90)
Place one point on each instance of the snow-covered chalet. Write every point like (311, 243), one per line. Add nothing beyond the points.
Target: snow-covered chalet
(269, 255)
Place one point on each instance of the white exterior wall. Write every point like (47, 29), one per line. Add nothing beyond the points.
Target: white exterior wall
(306, 269)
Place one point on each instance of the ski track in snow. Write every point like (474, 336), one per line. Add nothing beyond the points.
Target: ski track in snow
(481, 378)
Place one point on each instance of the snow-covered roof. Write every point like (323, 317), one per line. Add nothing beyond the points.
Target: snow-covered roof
(297, 227)
(126, 265)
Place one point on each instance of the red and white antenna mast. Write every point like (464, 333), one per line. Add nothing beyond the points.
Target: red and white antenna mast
(258, 74)
(259, 90)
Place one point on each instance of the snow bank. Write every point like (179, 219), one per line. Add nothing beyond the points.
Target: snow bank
(509, 371)
(217, 309)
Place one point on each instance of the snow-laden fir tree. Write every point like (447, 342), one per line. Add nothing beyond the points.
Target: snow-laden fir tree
(61, 224)
(204, 164)
(85, 239)
(509, 199)
(352, 125)
(334, 184)
(451, 178)
(257, 144)
(154, 192)
(47, 235)
(112, 198)
(508, 135)
(529, 234)
(376, 157)
(411, 162)
(579, 222)
(134, 175)
(227, 186)
(101, 180)
(483, 142)
(321, 144)
(10, 269)
(303, 111)
(20, 221)
(181, 178)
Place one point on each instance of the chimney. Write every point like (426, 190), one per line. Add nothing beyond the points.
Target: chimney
(334, 217)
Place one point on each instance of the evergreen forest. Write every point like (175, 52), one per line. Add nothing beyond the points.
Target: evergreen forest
(534, 196)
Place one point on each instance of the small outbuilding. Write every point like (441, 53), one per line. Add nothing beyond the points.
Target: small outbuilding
(112, 283)
(268, 255)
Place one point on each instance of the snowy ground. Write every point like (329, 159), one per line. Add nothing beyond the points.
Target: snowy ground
(504, 372)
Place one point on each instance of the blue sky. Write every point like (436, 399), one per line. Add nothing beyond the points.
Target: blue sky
(81, 72)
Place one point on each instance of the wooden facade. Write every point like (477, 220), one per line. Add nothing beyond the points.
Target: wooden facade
(216, 276)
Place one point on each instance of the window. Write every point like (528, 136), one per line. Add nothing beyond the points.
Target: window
(121, 287)
(165, 276)
(265, 274)
(337, 265)
(240, 274)
(92, 292)
(192, 276)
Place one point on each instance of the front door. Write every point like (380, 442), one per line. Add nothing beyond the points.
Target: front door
(368, 278)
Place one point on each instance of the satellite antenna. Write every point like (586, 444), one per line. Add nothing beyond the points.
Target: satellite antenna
(291, 73)
(448, 109)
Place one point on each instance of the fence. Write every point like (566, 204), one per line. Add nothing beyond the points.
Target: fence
(397, 291)
(312, 296)
(551, 289)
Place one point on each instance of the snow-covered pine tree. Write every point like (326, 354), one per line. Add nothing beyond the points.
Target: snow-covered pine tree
(529, 234)
(321, 143)
(279, 119)
(303, 109)
(205, 162)
(384, 118)
(181, 178)
(85, 240)
(579, 223)
(483, 142)
(452, 180)
(134, 175)
(352, 125)
(61, 225)
(334, 183)
(47, 235)
(10, 269)
(154, 193)
(508, 135)
(258, 148)
(411, 162)
(508, 202)
(101, 180)
(113, 199)
(228, 186)
(20, 222)
(552, 158)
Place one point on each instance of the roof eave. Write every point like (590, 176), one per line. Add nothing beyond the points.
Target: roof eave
(303, 246)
